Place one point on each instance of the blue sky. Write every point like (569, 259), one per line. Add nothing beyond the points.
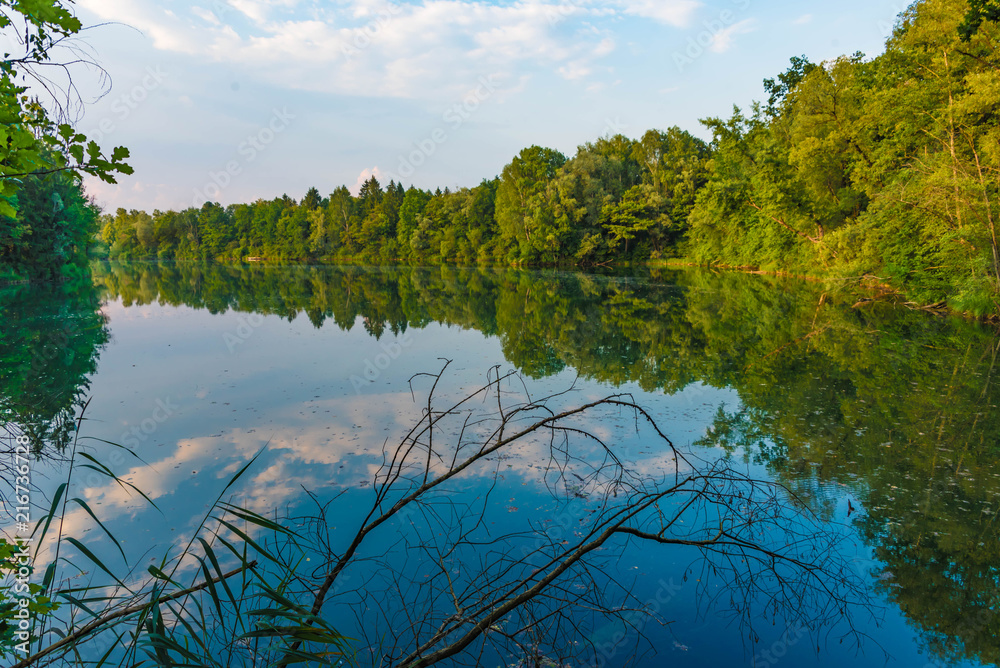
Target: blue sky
(233, 100)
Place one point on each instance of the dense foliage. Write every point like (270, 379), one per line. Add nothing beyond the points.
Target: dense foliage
(45, 221)
(885, 170)
(616, 198)
(53, 228)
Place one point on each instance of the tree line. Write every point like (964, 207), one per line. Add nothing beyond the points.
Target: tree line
(617, 198)
(882, 170)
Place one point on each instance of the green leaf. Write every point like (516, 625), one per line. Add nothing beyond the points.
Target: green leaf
(97, 562)
(50, 515)
(83, 504)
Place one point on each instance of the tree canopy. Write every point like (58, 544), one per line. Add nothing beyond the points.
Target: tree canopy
(42, 156)
(880, 171)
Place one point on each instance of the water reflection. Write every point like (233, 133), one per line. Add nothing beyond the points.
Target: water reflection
(50, 340)
(894, 410)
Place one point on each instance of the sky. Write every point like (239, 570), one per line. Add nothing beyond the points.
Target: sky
(235, 100)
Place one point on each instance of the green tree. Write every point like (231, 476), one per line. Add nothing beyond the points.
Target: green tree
(344, 219)
(980, 11)
(31, 142)
(312, 200)
(52, 229)
(45, 222)
(480, 214)
(779, 88)
(641, 213)
(414, 202)
(675, 165)
(521, 211)
(370, 195)
(215, 229)
(292, 234)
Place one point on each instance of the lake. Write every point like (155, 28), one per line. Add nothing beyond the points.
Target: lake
(879, 421)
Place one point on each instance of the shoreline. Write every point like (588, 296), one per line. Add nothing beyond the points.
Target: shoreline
(871, 292)
(869, 289)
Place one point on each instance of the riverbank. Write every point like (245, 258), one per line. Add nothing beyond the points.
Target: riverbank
(868, 288)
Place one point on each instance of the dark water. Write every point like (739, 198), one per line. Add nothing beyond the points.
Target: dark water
(883, 421)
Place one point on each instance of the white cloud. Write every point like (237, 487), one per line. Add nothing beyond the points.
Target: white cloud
(253, 9)
(205, 15)
(575, 70)
(678, 13)
(163, 27)
(368, 8)
(803, 20)
(374, 49)
(722, 41)
(606, 47)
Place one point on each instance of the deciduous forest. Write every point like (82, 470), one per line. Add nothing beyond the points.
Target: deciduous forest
(882, 171)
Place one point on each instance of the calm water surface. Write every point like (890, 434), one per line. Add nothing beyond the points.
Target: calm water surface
(884, 421)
